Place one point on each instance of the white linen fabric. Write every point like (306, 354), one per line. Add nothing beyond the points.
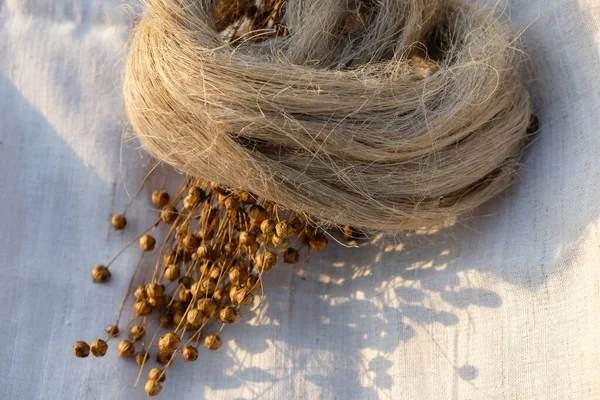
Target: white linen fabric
(503, 306)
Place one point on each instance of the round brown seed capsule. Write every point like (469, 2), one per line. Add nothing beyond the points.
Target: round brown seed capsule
(220, 296)
(137, 332)
(257, 214)
(168, 214)
(266, 260)
(283, 229)
(164, 357)
(142, 308)
(212, 342)
(172, 272)
(147, 243)
(159, 303)
(141, 357)
(118, 221)
(252, 283)
(98, 348)
(204, 252)
(204, 266)
(140, 293)
(155, 290)
(178, 318)
(237, 276)
(297, 224)
(160, 198)
(214, 187)
(229, 315)
(230, 247)
(194, 318)
(186, 295)
(190, 241)
(152, 388)
(248, 198)
(183, 229)
(100, 274)
(170, 257)
(190, 353)
(157, 374)
(168, 342)
(125, 348)
(204, 269)
(252, 249)
(268, 226)
(112, 331)
(208, 286)
(81, 349)
(232, 292)
(215, 273)
(268, 205)
(291, 256)
(243, 297)
(247, 238)
(196, 289)
(207, 307)
(189, 204)
(196, 194)
(156, 302)
(231, 202)
(318, 241)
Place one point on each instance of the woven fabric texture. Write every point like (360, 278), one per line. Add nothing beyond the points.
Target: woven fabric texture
(503, 306)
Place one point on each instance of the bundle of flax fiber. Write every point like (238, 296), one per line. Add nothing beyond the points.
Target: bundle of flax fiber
(382, 115)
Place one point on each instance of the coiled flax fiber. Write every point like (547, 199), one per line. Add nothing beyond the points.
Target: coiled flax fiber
(386, 115)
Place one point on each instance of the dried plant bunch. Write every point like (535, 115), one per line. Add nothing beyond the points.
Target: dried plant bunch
(386, 115)
(220, 243)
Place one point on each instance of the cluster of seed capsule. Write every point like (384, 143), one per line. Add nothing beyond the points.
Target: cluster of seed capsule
(215, 245)
(236, 19)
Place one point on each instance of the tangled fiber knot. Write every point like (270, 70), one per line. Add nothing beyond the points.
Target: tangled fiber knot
(384, 115)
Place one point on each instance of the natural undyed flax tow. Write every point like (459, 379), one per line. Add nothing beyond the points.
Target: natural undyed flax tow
(389, 114)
